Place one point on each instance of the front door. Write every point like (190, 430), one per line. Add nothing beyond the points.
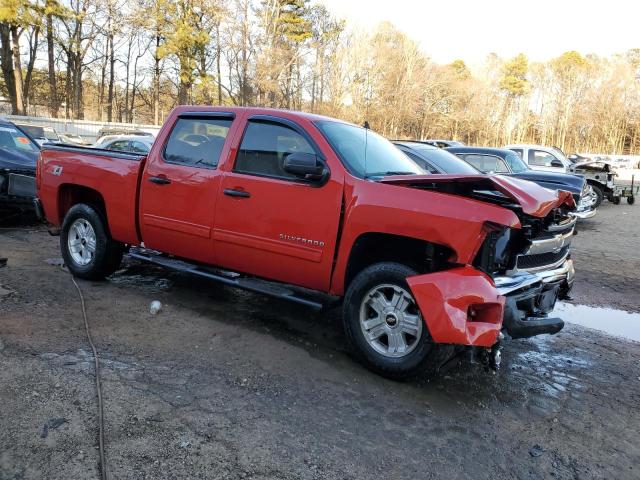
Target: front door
(179, 186)
(545, 161)
(271, 223)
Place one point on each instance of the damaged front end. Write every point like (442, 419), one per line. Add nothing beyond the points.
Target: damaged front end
(515, 279)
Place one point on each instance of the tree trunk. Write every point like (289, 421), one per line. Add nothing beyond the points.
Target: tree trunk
(112, 72)
(156, 82)
(6, 62)
(218, 67)
(33, 51)
(54, 104)
(17, 69)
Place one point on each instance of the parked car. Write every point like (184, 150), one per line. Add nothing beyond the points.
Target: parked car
(295, 205)
(117, 131)
(40, 134)
(127, 143)
(437, 143)
(507, 162)
(72, 139)
(18, 155)
(551, 159)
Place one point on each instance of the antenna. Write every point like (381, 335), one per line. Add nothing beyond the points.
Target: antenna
(366, 140)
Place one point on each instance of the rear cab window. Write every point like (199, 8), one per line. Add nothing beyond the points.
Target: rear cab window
(197, 142)
(264, 147)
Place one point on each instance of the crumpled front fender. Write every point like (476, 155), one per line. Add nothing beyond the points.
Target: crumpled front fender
(459, 306)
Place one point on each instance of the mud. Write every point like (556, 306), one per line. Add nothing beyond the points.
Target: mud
(227, 384)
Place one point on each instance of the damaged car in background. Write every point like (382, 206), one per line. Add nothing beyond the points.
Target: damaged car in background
(476, 160)
(313, 210)
(18, 155)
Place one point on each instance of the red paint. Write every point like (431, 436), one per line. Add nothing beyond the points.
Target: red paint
(445, 299)
(293, 232)
(534, 199)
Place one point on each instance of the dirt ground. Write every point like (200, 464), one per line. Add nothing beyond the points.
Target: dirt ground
(226, 384)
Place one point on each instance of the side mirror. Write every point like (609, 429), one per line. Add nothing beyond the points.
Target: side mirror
(557, 163)
(306, 165)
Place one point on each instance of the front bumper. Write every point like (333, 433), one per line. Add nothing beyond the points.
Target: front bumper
(531, 297)
(464, 306)
(585, 214)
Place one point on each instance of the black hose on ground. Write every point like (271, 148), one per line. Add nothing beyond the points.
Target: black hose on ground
(103, 463)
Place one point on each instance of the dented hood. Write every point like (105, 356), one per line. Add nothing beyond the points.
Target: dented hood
(532, 198)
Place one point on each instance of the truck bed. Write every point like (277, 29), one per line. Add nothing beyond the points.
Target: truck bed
(101, 175)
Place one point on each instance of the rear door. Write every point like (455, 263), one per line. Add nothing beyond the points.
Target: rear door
(179, 186)
(269, 222)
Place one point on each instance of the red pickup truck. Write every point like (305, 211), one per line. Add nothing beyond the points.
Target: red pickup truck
(292, 204)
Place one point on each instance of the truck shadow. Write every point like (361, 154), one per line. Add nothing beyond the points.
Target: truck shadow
(531, 376)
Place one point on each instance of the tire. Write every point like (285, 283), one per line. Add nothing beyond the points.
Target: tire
(387, 279)
(81, 224)
(599, 194)
(615, 200)
(631, 200)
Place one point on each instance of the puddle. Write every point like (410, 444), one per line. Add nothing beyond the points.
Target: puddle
(614, 322)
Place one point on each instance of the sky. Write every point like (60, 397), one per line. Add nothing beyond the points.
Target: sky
(471, 29)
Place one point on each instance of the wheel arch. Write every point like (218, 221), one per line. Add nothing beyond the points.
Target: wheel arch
(376, 247)
(70, 194)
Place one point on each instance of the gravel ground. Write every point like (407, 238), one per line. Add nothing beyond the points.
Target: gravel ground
(227, 384)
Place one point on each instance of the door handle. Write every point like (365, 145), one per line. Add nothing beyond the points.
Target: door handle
(159, 180)
(236, 193)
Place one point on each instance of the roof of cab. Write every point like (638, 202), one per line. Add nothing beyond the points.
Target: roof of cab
(257, 111)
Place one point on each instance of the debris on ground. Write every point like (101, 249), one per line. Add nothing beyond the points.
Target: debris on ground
(155, 307)
(52, 424)
(536, 451)
(56, 261)
(5, 291)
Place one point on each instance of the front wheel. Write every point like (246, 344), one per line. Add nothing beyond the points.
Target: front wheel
(599, 195)
(383, 323)
(87, 249)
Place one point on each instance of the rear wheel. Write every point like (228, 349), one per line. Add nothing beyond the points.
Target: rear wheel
(631, 200)
(615, 200)
(87, 249)
(383, 323)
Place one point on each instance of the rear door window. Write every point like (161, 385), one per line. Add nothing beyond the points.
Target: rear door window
(421, 162)
(487, 163)
(139, 147)
(197, 142)
(119, 146)
(264, 148)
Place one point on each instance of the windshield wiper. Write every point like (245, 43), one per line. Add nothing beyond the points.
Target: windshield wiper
(390, 172)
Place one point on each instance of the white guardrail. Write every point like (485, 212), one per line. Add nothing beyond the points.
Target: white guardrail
(86, 129)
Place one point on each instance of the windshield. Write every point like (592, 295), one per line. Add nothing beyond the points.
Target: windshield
(445, 161)
(516, 163)
(13, 139)
(365, 153)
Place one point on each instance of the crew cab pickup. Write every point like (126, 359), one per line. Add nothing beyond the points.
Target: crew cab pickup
(599, 175)
(292, 204)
